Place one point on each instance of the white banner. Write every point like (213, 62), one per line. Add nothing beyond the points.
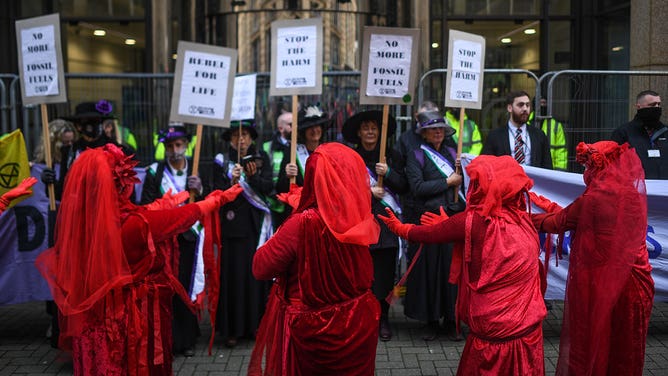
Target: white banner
(564, 187)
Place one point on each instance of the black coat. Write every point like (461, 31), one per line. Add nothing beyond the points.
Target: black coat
(635, 134)
(428, 186)
(239, 218)
(395, 181)
(498, 144)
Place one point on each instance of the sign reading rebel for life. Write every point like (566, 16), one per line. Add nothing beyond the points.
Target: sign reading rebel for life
(243, 99)
(296, 61)
(203, 83)
(41, 60)
(389, 65)
(466, 57)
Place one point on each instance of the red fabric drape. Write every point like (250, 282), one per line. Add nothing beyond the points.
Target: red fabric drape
(496, 267)
(609, 289)
(321, 318)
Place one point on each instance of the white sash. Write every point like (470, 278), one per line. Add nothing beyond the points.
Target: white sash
(197, 277)
(302, 156)
(266, 231)
(388, 196)
(442, 164)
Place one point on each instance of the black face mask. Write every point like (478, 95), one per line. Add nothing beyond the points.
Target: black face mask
(92, 130)
(649, 116)
(543, 110)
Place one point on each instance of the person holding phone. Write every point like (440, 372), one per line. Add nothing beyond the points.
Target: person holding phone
(246, 225)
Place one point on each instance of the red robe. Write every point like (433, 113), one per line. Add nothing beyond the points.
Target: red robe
(609, 289)
(321, 317)
(496, 268)
(131, 334)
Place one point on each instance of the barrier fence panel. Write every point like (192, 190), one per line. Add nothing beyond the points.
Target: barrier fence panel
(142, 102)
(591, 104)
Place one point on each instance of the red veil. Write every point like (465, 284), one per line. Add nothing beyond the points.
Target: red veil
(333, 324)
(608, 242)
(87, 261)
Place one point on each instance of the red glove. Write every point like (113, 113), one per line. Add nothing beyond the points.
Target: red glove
(23, 189)
(429, 218)
(291, 198)
(227, 195)
(544, 203)
(168, 201)
(395, 224)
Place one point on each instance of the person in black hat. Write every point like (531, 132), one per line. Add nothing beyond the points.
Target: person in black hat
(432, 177)
(245, 225)
(363, 130)
(175, 174)
(312, 122)
(88, 118)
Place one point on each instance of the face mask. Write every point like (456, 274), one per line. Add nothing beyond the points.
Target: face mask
(649, 115)
(543, 110)
(92, 130)
(176, 154)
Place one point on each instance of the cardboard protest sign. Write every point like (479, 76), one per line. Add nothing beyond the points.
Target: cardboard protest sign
(243, 98)
(203, 82)
(466, 62)
(296, 61)
(41, 60)
(389, 65)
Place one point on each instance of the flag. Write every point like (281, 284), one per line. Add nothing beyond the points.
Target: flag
(14, 165)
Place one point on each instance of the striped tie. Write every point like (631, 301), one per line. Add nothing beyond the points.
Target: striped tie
(519, 147)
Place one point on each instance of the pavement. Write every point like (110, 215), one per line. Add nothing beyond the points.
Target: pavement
(24, 349)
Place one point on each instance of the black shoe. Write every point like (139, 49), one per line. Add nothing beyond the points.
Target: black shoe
(231, 342)
(385, 332)
(432, 331)
(189, 352)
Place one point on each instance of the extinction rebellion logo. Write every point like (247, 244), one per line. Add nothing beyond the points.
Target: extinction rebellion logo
(9, 175)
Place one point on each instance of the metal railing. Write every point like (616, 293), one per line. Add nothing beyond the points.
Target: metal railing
(589, 103)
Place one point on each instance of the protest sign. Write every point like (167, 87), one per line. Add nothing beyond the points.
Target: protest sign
(203, 82)
(41, 60)
(466, 62)
(296, 61)
(243, 98)
(389, 65)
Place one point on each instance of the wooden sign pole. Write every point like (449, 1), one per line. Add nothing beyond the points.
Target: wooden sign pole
(383, 140)
(293, 136)
(198, 146)
(47, 154)
(460, 145)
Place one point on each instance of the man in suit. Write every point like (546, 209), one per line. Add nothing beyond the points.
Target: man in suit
(527, 144)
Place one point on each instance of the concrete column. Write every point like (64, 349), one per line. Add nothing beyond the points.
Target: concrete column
(161, 30)
(647, 48)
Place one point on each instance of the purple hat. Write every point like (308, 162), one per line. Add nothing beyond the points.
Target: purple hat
(174, 130)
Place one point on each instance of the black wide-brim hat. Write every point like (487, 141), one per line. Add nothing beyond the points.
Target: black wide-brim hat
(352, 125)
(246, 124)
(311, 117)
(100, 110)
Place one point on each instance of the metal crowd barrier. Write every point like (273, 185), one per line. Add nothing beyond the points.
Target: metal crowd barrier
(589, 103)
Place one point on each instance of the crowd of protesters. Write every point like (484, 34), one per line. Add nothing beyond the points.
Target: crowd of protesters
(302, 254)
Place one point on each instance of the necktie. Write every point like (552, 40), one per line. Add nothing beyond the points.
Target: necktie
(519, 147)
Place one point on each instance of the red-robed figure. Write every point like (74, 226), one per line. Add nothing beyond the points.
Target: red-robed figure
(109, 270)
(496, 267)
(321, 318)
(609, 290)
